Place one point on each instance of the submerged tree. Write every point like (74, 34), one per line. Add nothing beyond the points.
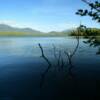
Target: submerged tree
(62, 58)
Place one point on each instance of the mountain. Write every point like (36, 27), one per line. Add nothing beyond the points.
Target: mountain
(61, 33)
(6, 30)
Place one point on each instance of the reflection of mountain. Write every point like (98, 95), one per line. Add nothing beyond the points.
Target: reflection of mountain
(6, 30)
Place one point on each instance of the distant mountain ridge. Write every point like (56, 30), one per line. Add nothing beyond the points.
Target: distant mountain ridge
(7, 28)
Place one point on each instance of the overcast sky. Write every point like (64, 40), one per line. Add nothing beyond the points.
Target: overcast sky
(43, 15)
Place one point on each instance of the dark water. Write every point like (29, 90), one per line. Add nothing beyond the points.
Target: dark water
(21, 69)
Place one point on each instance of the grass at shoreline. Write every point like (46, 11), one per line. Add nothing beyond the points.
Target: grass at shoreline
(16, 34)
(26, 34)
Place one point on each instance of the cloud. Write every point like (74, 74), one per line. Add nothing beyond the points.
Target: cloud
(8, 22)
(14, 23)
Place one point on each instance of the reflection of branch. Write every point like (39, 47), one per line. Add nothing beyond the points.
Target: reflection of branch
(49, 65)
(70, 64)
(54, 51)
(59, 56)
(69, 57)
(43, 76)
(62, 63)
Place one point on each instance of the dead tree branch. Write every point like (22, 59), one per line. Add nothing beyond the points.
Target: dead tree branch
(43, 55)
(70, 55)
(59, 59)
(77, 37)
(49, 66)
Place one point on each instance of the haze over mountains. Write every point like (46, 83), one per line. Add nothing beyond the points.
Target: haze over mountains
(6, 30)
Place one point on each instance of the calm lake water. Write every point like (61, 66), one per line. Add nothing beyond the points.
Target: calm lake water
(21, 68)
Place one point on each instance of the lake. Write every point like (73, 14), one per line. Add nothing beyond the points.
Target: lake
(22, 68)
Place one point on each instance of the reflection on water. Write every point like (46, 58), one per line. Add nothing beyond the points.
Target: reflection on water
(21, 68)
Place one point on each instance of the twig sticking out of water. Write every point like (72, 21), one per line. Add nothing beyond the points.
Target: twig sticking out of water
(59, 58)
(43, 55)
(70, 56)
(49, 65)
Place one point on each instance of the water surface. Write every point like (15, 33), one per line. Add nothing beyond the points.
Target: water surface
(21, 67)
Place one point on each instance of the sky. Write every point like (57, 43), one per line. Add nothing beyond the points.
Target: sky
(43, 15)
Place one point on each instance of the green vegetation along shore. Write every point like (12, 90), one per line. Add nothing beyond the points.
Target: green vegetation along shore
(27, 34)
(86, 32)
(6, 30)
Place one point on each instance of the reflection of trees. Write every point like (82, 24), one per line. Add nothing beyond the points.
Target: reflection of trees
(62, 63)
